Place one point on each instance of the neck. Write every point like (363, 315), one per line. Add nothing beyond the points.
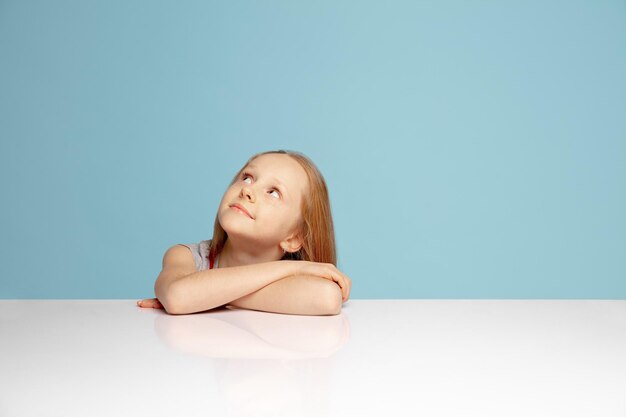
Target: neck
(234, 254)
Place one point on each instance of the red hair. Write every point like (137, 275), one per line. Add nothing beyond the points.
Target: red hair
(316, 227)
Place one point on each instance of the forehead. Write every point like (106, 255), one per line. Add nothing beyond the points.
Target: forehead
(283, 168)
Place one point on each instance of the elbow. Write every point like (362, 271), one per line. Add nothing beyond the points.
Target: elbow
(167, 298)
(177, 300)
(174, 305)
(171, 308)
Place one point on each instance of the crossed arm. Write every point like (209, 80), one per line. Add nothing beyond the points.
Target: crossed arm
(290, 287)
(300, 294)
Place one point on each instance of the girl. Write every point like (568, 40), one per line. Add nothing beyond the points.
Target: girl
(273, 247)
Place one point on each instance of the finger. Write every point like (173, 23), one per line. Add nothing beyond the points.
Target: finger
(343, 285)
(144, 303)
(339, 280)
(343, 281)
(338, 277)
(348, 287)
(149, 303)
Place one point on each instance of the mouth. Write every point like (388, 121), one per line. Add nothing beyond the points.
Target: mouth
(241, 209)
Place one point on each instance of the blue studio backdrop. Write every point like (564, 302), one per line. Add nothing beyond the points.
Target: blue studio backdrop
(471, 149)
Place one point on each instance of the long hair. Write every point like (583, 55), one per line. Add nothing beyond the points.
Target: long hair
(316, 227)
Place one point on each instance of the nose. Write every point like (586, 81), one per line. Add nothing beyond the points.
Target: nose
(247, 193)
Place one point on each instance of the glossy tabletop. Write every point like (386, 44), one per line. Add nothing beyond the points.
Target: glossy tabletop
(378, 357)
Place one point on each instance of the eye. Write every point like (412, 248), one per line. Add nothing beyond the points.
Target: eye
(274, 190)
(244, 176)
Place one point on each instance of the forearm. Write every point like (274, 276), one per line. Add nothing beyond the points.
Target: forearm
(207, 289)
(300, 294)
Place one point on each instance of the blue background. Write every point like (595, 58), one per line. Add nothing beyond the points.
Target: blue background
(472, 149)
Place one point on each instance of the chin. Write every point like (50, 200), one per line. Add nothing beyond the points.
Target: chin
(234, 226)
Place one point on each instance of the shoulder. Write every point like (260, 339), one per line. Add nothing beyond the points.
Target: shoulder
(178, 254)
(177, 263)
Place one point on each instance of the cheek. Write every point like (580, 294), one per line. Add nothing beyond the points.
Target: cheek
(292, 218)
(279, 212)
(229, 194)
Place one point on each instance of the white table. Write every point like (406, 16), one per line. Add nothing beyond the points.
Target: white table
(378, 357)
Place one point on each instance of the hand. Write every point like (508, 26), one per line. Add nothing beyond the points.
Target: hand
(328, 271)
(150, 303)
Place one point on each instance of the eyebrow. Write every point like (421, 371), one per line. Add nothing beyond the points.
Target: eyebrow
(280, 184)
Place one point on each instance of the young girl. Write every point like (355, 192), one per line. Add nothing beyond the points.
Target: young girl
(273, 247)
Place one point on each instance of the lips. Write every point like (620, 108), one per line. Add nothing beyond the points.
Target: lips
(242, 208)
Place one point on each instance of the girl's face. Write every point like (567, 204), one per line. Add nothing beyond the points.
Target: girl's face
(270, 189)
